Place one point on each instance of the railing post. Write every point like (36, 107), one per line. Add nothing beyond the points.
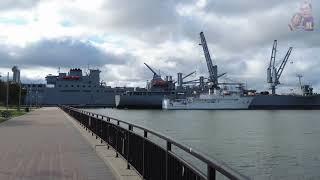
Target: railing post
(101, 131)
(167, 159)
(92, 126)
(108, 133)
(89, 122)
(97, 127)
(117, 130)
(211, 173)
(145, 135)
(128, 146)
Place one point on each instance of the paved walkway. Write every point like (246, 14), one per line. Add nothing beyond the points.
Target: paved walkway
(45, 145)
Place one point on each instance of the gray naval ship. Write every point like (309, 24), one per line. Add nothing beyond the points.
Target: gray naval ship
(151, 97)
(73, 88)
(306, 99)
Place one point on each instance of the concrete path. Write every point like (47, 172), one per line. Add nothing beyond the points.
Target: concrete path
(45, 145)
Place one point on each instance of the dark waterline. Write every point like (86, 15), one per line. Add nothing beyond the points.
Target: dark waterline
(259, 144)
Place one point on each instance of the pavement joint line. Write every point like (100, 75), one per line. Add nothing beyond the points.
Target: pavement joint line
(116, 164)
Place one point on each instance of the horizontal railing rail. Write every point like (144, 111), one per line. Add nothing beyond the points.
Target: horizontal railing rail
(150, 159)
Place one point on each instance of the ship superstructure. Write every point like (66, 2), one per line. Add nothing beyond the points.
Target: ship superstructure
(73, 88)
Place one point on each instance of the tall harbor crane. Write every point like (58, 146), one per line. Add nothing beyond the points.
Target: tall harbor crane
(213, 69)
(274, 73)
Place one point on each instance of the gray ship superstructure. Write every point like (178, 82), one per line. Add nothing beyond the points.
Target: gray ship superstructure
(73, 88)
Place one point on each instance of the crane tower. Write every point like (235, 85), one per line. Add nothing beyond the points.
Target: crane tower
(274, 73)
(213, 69)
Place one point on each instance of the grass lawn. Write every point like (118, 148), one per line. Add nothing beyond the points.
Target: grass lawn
(2, 119)
(13, 112)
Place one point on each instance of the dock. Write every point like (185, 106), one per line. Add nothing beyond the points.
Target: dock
(44, 144)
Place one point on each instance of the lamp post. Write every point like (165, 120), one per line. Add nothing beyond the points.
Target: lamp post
(19, 96)
(8, 91)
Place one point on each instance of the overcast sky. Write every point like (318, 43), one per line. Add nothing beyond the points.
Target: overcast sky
(118, 36)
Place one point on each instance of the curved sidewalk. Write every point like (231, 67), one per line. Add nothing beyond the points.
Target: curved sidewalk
(44, 145)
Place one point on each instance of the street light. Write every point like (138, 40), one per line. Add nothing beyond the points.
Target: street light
(19, 95)
(8, 92)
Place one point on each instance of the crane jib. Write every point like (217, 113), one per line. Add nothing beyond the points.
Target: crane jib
(151, 69)
(213, 70)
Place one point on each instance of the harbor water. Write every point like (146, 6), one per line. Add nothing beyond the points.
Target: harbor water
(259, 144)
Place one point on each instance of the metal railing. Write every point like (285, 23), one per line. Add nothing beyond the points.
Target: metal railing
(151, 160)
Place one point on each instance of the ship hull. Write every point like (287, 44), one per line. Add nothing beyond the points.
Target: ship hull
(285, 102)
(263, 102)
(209, 102)
(52, 97)
(240, 103)
(139, 102)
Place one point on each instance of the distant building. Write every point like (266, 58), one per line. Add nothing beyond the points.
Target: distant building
(16, 74)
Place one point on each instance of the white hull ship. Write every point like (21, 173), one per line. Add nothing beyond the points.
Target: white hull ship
(209, 102)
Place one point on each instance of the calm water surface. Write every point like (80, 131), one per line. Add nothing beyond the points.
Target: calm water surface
(259, 144)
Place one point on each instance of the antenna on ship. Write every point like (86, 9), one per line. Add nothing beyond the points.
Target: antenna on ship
(88, 69)
(300, 82)
(300, 77)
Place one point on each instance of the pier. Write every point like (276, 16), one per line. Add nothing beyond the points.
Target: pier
(69, 143)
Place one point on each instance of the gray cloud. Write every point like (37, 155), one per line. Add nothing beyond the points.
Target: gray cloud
(242, 7)
(57, 53)
(141, 14)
